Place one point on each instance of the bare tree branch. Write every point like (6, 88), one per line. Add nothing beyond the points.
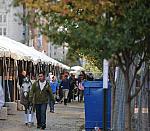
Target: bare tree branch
(121, 63)
(112, 78)
(138, 90)
(135, 73)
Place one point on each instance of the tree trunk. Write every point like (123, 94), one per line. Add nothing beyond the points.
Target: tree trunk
(139, 115)
(119, 112)
(124, 105)
(133, 90)
(143, 103)
(113, 90)
(148, 96)
(149, 110)
(122, 115)
(128, 116)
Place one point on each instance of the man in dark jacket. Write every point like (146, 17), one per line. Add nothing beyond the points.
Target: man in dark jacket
(65, 85)
(72, 86)
(39, 97)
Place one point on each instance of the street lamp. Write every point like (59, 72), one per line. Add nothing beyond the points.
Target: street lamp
(105, 87)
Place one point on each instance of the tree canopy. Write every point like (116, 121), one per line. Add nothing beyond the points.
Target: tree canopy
(95, 28)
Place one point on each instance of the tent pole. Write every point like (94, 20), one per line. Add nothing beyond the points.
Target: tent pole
(14, 73)
(17, 78)
(3, 79)
(7, 77)
(26, 65)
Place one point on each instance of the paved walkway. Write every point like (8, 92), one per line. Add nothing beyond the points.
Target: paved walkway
(65, 118)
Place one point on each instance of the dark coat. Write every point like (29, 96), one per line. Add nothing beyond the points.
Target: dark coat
(37, 96)
(65, 84)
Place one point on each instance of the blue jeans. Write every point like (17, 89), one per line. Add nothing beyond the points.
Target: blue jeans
(41, 114)
(51, 103)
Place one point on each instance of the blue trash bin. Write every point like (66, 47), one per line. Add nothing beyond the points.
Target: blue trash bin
(93, 101)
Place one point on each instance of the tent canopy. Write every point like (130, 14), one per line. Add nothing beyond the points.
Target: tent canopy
(19, 51)
(77, 68)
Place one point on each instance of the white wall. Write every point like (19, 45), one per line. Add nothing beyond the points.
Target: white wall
(15, 28)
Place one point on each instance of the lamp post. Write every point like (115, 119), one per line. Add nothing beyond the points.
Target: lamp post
(105, 87)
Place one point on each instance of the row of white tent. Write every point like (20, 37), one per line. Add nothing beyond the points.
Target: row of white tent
(19, 51)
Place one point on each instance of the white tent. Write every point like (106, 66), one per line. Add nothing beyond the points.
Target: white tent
(19, 51)
(77, 68)
(8, 49)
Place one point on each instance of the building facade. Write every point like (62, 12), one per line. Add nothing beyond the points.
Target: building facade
(10, 24)
(57, 52)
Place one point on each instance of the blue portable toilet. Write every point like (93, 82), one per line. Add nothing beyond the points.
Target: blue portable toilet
(93, 101)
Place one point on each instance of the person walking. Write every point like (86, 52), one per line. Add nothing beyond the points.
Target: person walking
(54, 86)
(65, 85)
(38, 96)
(81, 88)
(71, 89)
(60, 91)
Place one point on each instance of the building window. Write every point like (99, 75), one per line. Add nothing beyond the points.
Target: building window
(1, 18)
(4, 31)
(4, 18)
(0, 31)
(54, 53)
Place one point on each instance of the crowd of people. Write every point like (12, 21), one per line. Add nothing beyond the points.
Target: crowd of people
(51, 90)
(70, 88)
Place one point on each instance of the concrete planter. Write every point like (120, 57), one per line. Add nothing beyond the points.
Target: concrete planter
(3, 113)
(11, 108)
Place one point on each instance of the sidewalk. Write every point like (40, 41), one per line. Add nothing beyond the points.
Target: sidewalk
(65, 118)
